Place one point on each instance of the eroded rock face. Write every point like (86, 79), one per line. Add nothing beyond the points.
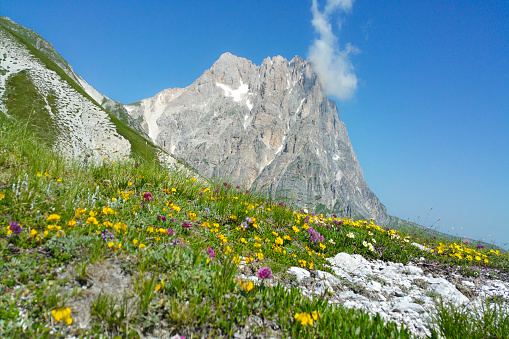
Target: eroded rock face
(79, 128)
(270, 127)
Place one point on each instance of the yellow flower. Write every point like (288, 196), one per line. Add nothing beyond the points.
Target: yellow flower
(71, 223)
(135, 241)
(259, 255)
(176, 208)
(108, 210)
(92, 220)
(279, 241)
(193, 179)
(110, 244)
(157, 288)
(2, 195)
(287, 237)
(33, 233)
(242, 240)
(304, 318)
(192, 215)
(315, 315)
(247, 286)
(141, 246)
(234, 217)
(62, 314)
(59, 179)
(173, 189)
(53, 217)
(322, 246)
(257, 238)
(39, 174)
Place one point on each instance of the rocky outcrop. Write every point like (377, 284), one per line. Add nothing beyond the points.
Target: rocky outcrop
(400, 293)
(269, 127)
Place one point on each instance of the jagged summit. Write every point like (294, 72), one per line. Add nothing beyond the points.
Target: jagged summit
(270, 126)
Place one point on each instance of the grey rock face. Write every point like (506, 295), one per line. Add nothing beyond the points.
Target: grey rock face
(269, 127)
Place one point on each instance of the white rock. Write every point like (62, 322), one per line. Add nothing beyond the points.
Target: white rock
(299, 273)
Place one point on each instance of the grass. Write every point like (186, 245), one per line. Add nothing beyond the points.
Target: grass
(140, 147)
(108, 241)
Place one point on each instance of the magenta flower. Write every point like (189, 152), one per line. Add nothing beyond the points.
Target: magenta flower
(170, 231)
(265, 272)
(15, 228)
(147, 196)
(186, 225)
(211, 252)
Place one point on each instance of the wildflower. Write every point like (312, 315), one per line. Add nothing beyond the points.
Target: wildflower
(259, 255)
(315, 237)
(350, 235)
(295, 229)
(211, 252)
(247, 286)
(14, 227)
(186, 225)
(108, 210)
(192, 215)
(147, 196)
(141, 245)
(364, 243)
(62, 314)
(304, 318)
(2, 195)
(279, 241)
(53, 217)
(265, 272)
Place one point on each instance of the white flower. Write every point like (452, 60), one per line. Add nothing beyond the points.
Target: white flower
(370, 233)
(371, 248)
(373, 240)
(332, 241)
(365, 244)
(350, 235)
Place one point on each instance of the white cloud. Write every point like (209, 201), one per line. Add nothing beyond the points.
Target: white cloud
(331, 63)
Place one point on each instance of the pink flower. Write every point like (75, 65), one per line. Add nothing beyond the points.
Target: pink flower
(265, 272)
(211, 252)
(186, 225)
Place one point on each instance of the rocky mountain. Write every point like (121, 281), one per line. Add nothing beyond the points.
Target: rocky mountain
(39, 88)
(269, 127)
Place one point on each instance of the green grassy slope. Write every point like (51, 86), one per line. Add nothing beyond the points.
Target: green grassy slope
(145, 237)
(141, 147)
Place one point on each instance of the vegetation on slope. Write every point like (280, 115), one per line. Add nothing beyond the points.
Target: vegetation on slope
(165, 250)
(140, 147)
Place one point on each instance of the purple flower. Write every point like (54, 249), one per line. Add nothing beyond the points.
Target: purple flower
(147, 196)
(161, 217)
(478, 247)
(186, 225)
(15, 228)
(248, 219)
(201, 193)
(265, 272)
(172, 220)
(211, 252)
(314, 235)
(248, 191)
(207, 209)
(244, 224)
(170, 231)
(225, 183)
(238, 187)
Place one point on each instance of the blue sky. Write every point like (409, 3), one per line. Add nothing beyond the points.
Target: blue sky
(428, 115)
